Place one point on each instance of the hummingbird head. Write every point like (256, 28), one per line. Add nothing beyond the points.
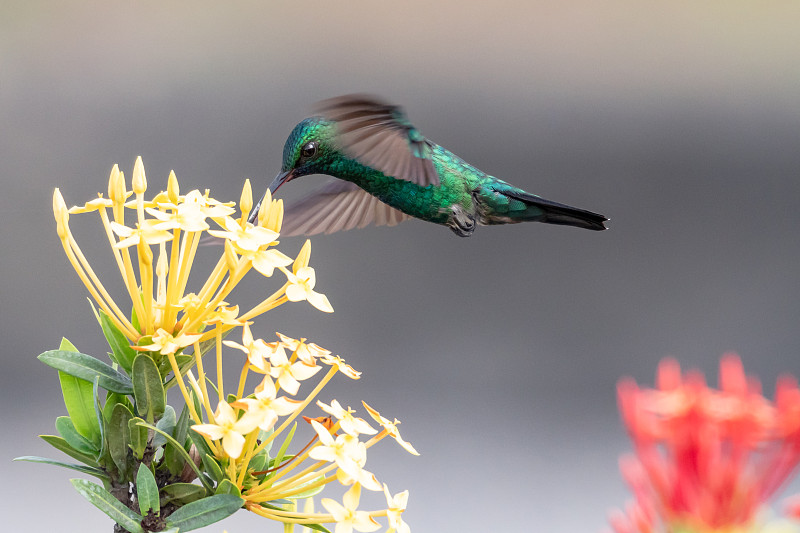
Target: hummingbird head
(308, 150)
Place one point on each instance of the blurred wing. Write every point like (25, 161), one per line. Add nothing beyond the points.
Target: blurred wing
(337, 206)
(379, 135)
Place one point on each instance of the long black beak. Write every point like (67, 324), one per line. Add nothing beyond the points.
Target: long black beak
(279, 180)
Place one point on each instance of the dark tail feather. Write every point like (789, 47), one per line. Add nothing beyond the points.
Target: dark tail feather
(555, 213)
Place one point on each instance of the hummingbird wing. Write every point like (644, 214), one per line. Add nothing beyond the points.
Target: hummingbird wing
(379, 135)
(337, 206)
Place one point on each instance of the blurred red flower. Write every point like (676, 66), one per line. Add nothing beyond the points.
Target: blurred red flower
(705, 459)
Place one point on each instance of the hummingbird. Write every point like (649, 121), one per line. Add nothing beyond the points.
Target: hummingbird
(385, 171)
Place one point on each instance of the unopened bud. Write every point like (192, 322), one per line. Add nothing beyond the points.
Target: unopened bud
(61, 214)
(162, 268)
(145, 253)
(231, 259)
(113, 185)
(246, 201)
(263, 209)
(173, 190)
(139, 180)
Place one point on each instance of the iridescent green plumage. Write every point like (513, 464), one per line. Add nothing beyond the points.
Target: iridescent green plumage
(387, 172)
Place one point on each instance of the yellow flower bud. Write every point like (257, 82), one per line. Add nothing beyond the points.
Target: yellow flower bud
(162, 268)
(139, 179)
(231, 259)
(114, 193)
(173, 190)
(263, 210)
(246, 201)
(145, 253)
(61, 214)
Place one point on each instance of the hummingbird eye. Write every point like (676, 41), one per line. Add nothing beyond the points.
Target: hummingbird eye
(309, 150)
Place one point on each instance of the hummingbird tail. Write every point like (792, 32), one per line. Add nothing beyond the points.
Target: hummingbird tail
(551, 212)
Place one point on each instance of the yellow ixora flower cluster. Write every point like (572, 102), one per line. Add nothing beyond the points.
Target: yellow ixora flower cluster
(168, 321)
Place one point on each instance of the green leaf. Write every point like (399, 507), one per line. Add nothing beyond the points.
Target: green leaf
(264, 435)
(120, 346)
(86, 367)
(98, 412)
(180, 449)
(212, 468)
(106, 502)
(62, 445)
(165, 424)
(172, 458)
(148, 388)
(259, 462)
(285, 445)
(165, 366)
(67, 430)
(309, 493)
(135, 317)
(183, 492)
(66, 345)
(317, 527)
(200, 443)
(112, 399)
(97, 472)
(185, 363)
(204, 512)
(147, 491)
(78, 399)
(119, 438)
(227, 487)
(138, 436)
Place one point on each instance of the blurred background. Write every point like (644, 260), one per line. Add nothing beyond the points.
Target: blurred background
(680, 121)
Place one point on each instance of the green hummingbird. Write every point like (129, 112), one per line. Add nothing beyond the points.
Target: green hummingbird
(386, 171)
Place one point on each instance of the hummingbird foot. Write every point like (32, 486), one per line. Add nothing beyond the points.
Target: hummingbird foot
(460, 221)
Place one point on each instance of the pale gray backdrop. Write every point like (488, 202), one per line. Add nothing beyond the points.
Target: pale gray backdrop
(678, 120)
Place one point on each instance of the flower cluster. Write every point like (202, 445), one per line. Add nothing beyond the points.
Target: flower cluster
(224, 438)
(706, 459)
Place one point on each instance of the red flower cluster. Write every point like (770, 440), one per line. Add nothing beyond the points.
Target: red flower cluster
(705, 459)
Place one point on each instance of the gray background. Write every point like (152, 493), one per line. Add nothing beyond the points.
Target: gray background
(500, 353)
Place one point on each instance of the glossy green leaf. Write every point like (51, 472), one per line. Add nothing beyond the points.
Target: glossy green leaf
(172, 457)
(62, 445)
(227, 487)
(182, 492)
(97, 472)
(106, 502)
(120, 346)
(78, 398)
(175, 444)
(119, 438)
(212, 468)
(147, 491)
(67, 430)
(148, 388)
(204, 512)
(138, 436)
(85, 367)
(165, 424)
